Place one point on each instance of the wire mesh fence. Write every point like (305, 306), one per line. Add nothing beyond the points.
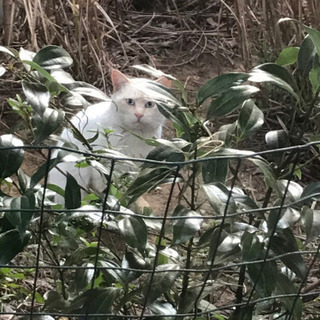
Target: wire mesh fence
(206, 250)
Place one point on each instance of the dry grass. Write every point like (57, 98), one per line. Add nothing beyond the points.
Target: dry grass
(107, 33)
(101, 34)
(259, 31)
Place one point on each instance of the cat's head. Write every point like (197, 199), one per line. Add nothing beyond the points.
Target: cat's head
(136, 109)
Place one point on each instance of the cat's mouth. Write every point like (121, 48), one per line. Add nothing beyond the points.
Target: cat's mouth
(136, 126)
(139, 123)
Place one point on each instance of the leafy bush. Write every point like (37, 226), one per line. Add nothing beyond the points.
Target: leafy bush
(104, 257)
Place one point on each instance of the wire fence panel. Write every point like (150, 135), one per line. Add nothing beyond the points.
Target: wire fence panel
(166, 243)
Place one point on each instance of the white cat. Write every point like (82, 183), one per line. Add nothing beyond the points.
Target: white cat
(129, 111)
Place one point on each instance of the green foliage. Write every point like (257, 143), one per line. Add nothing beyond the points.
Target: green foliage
(214, 221)
(186, 227)
(305, 80)
(11, 158)
(218, 85)
(134, 231)
(288, 56)
(53, 57)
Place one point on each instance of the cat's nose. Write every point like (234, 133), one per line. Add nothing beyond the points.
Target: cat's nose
(138, 115)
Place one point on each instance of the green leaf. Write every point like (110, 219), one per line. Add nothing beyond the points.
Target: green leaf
(288, 218)
(165, 153)
(86, 89)
(277, 71)
(74, 100)
(52, 85)
(37, 96)
(95, 301)
(23, 181)
(134, 231)
(111, 272)
(285, 242)
(128, 297)
(40, 300)
(285, 287)
(218, 195)
(12, 52)
(314, 77)
(219, 84)
(215, 240)
(312, 188)
(250, 119)
(263, 165)
(10, 158)
(229, 243)
(311, 220)
(274, 74)
(83, 277)
(163, 308)
(53, 57)
(315, 37)
(227, 133)
(152, 71)
(187, 300)
(176, 144)
(135, 261)
(11, 243)
(276, 139)
(293, 189)
(2, 71)
(46, 124)
(182, 91)
(205, 238)
(41, 172)
(267, 170)
(215, 170)
(230, 100)
(288, 56)
(22, 212)
(159, 93)
(72, 193)
(148, 180)
(162, 281)
(252, 248)
(313, 34)
(184, 229)
(88, 216)
(306, 56)
(242, 200)
(28, 55)
(267, 279)
(178, 118)
(63, 77)
(54, 301)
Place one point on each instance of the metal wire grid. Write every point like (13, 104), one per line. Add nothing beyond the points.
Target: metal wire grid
(164, 217)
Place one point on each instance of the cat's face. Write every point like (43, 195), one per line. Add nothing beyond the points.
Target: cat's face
(136, 111)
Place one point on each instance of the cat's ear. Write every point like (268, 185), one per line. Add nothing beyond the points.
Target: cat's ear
(118, 79)
(164, 81)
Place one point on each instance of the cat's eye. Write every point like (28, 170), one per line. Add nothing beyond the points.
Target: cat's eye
(130, 102)
(149, 104)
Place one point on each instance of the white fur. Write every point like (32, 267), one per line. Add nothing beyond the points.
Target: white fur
(122, 118)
